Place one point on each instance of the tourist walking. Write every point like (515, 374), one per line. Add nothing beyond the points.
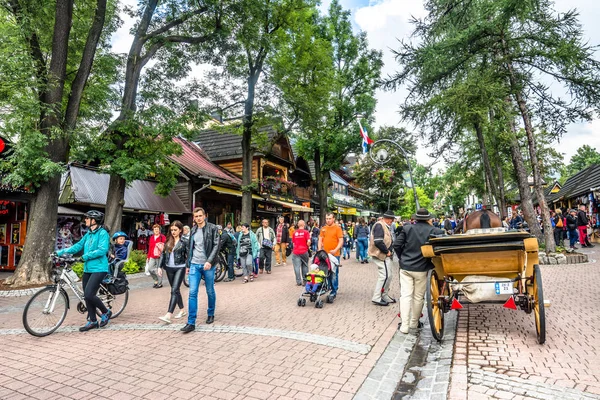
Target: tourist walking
(582, 225)
(204, 247)
(95, 245)
(300, 243)
(155, 249)
(572, 228)
(380, 249)
(362, 232)
(247, 250)
(267, 241)
(228, 247)
(314, 236)
(283, 237)
(414, 267)
(173, 261)
(331, 240)
(557, 220)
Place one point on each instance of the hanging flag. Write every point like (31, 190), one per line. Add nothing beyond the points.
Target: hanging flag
(366, 139)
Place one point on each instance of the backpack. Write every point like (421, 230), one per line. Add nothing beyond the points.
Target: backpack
(559, 223)
(553, 223)
(118, 285)
(233, 239)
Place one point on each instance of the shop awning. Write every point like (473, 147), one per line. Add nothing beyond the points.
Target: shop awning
(89, 186)
(294, 207)
(68, 211)
(233, 192)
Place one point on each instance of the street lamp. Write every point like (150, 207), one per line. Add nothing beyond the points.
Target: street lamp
(382, 156)
(390, 195)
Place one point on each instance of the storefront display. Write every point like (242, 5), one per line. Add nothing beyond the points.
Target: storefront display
(13, 228)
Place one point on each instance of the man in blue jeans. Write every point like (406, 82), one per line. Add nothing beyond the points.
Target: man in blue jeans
(204, 247)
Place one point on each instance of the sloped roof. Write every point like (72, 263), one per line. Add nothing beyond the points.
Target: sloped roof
(196, 162)
(578, 184)
(226, 146)
(89, 186)
(338, 179)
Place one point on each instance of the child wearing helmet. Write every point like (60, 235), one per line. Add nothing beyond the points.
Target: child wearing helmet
(118, 249)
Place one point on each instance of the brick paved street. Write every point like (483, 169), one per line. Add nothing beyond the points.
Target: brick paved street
(497, 354)
(262, 345)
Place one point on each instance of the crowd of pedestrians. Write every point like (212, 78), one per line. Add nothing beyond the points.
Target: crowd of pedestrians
(196, 251)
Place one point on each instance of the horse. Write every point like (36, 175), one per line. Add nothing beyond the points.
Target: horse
(481, 219)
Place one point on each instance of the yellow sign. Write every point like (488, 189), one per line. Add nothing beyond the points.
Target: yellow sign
(346, 211)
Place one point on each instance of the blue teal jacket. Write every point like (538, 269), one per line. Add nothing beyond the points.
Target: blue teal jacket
(253, 242)
(95, 245)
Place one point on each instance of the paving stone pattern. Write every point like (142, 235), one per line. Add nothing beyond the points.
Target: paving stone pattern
(262, 345)
(494, 342)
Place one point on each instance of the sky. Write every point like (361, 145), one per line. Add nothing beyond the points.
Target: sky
(388, 21)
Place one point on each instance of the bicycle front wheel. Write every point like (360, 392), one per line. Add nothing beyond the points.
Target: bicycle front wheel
(45, 311)
(114, 302)
(221, 269)
(186, 280)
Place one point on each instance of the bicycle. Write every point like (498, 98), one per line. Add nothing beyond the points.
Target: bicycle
(47, 309)
(221, 270)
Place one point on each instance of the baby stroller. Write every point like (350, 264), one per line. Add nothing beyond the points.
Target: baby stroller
(326, 262)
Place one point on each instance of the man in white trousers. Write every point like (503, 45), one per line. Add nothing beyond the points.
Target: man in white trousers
(414, 267)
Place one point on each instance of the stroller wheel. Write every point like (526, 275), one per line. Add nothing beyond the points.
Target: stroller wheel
(319, 303)
(303, 302)
(299, 302)
(330, 299)
(313, 297)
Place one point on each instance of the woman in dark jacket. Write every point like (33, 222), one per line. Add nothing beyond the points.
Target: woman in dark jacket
(173, 260)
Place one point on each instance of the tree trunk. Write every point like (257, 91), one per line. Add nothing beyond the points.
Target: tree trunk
(502, 195)
(34, 267)
(524, 191)
(115, 201)
(247, 150)
(489, 177)
(537, 177)
(321, 187)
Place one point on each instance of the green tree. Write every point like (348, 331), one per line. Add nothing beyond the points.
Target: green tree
(237, 88)
(385, 181)
(518, 43)
(583, 158)
(138, 143)
(408, 208)
(58, 61)
(328, 136)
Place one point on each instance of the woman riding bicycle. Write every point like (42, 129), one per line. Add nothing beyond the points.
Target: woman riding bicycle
(95, 244)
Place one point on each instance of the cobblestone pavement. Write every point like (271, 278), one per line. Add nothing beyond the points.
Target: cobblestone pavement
(497, 355)
(261, 346)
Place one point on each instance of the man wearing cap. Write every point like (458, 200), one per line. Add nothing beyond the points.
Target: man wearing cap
(380, 249)
(414, 267)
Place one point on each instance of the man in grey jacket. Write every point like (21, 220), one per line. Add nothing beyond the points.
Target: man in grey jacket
(414, 267)
(204, 247)
(380, 249)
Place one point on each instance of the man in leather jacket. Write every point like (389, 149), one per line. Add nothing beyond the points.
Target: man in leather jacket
(414, 267)
(204, 247)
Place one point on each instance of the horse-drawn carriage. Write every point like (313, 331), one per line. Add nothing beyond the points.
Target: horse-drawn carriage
(490, 265)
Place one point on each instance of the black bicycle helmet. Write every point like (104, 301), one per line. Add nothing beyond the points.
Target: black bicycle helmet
(95, 215)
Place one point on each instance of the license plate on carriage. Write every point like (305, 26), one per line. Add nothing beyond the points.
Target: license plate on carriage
(504, 288)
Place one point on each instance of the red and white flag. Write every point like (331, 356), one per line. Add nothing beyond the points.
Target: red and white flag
(367, 141)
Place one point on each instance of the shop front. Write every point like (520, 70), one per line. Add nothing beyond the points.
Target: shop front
(268, 211)
(13, 229)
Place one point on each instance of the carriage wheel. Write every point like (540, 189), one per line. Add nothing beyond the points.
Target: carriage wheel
(538, 305)
(435, 313)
